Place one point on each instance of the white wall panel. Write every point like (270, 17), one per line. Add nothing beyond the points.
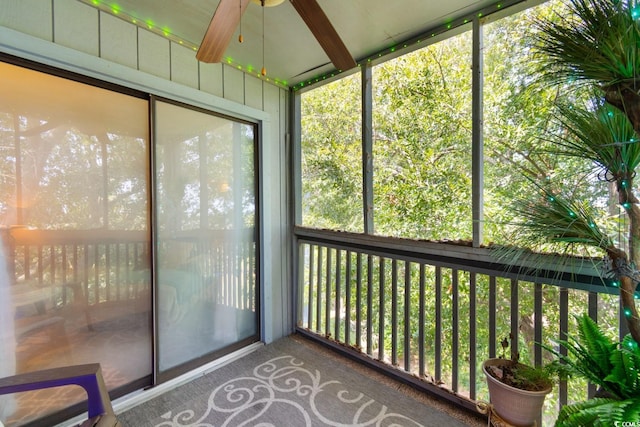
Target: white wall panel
(118, 41)
(33, 17)
(253, 91)
(233, 84)
(184, 65)
(75, 25)
(153, 54)
(211, 79)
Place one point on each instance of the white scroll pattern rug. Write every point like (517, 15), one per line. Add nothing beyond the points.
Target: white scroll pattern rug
(285, 384)
(282, 386)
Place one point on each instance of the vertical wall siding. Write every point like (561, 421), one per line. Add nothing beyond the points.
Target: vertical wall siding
(78, 26)
(81, 27)
(32, 17)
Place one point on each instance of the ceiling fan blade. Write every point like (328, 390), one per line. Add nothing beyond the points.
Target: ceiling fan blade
(323, 31)
(221, 28)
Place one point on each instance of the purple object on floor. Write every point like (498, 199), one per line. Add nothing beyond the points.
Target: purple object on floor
(87, 376)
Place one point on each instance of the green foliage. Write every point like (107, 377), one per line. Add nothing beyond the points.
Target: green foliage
(558, 219)
(567, 43)
(596, 412)
(603, 135)
(613, 367)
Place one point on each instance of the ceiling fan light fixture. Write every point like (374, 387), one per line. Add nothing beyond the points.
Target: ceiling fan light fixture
(268, 3)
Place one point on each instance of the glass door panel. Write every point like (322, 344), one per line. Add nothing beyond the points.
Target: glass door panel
(74, 236)
(206, 234)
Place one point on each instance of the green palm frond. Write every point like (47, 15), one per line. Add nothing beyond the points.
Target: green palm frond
(568, 42)
(599, 412)
(605, 136)
(557, 219)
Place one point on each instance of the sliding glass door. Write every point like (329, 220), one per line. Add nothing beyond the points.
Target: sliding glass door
(205, 234)
(74, 236)
(118, 245)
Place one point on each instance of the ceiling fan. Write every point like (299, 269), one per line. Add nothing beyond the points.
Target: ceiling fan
(228, 14)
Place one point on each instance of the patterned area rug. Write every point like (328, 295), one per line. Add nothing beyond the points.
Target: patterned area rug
(285, 384)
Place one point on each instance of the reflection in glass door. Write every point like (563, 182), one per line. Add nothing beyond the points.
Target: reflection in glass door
(74, 237)
(206, 257)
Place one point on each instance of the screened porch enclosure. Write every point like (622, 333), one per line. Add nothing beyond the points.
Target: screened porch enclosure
(157, 213)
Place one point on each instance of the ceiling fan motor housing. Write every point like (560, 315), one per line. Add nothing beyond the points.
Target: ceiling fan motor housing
(268, 3)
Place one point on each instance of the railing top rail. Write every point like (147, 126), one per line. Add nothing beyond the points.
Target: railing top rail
(576, 273)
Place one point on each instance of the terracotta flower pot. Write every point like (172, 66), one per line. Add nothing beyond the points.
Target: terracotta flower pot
(516, 406)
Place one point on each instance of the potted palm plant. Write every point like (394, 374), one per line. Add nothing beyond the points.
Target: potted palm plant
(595, 46)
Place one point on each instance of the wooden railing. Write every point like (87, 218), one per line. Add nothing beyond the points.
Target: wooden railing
(430, 313)
(96, 267)
(89, 266)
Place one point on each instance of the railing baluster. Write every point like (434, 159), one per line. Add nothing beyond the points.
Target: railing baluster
(537, 323)
(455, 333)
(27, 263)
(421, 321)
(319, 292)
(472, 336)
(359, 300)
(118, 276)
(394, 312)
(514, 317)
(107, 268)
(369, 327)
(40, 265)
(564, 329)
(347, 301)
(96, 273)
(85, 273)
(310, 296)
(338, 294)
(438, 330)
(52, 267)
(65, 296)
(407, 316)
(492, 316)
(327, 294)
(381, 308)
